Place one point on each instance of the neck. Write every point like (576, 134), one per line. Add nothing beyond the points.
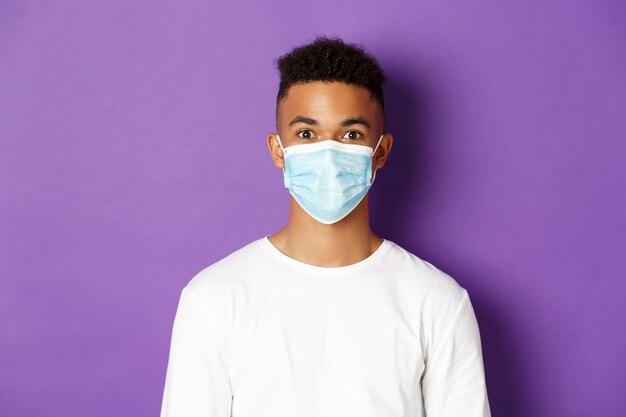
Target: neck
(345, 242)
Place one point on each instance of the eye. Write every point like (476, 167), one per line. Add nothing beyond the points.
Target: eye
(305, 134)
(353, 134)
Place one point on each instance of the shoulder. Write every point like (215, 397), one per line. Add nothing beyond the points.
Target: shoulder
(435, 287)
(438, 297)
(217, 281)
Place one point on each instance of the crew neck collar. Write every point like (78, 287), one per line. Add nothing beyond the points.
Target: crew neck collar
(277, 254)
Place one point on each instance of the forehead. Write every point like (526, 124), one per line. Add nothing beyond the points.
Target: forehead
(328, 101)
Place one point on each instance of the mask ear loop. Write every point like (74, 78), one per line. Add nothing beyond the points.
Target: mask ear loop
(283, 149)
(374, 153)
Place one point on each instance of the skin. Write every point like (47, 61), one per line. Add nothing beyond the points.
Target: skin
(303, 238)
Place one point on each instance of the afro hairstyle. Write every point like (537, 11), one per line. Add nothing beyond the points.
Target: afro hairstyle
(330, 59)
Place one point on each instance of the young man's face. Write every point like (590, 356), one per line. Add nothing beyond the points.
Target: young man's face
(316, 111)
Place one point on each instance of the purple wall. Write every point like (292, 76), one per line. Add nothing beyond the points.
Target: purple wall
(132, 155)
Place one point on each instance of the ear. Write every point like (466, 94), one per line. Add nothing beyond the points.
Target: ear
(383, 151)
(275, 151)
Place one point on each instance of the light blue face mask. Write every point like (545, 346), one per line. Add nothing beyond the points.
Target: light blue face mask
(328, 179)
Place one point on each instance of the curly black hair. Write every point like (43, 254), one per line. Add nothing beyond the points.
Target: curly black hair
(330, 59)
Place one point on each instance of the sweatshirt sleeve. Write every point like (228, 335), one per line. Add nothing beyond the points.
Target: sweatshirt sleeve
(453, 382)
(197, 382)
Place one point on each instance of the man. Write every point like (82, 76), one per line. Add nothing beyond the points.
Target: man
(324, 318)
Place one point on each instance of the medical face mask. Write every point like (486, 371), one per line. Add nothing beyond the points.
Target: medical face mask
(328, 179)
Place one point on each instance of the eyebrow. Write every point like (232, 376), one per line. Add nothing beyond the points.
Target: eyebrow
(347, 122)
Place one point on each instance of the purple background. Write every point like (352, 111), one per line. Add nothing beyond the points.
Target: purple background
(133, 155)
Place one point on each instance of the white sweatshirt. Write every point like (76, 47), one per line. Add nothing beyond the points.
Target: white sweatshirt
(260, 334)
